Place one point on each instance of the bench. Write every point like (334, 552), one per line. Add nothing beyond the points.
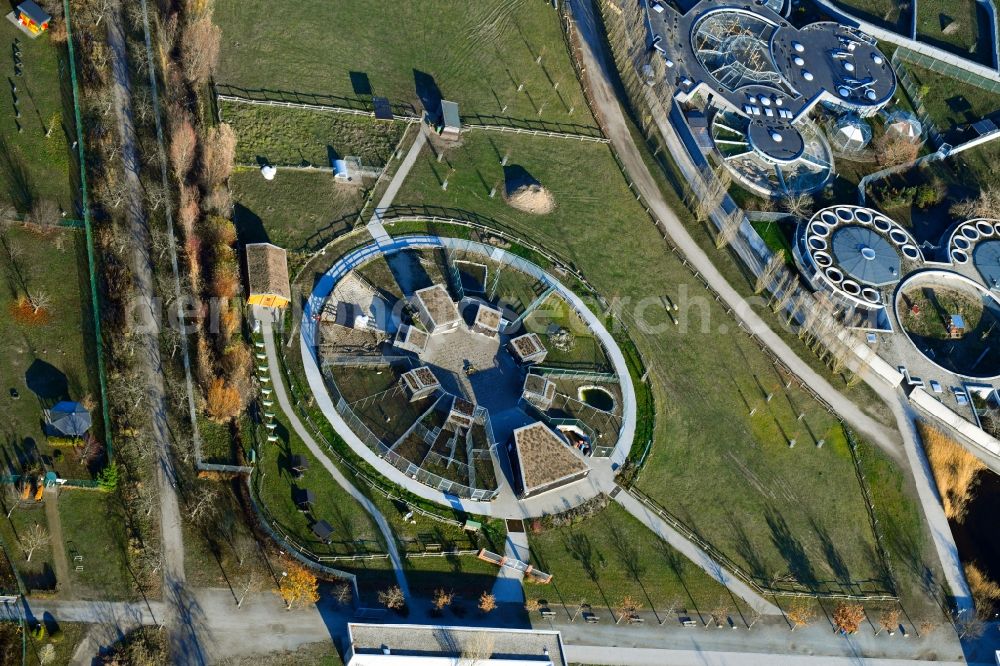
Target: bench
(590, 618)
(547, 612)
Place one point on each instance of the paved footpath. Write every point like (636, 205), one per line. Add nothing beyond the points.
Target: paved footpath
(508, 588)
(375, 227)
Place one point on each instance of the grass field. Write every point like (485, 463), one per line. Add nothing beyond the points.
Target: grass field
(49, 361)
(354, 531)
(955, 25)
(950, 102)
(39, 574)
(478, 55)
(282, 136)
(101, 543)
(767, 505)
(603, 558)
(32, 165)
(891, 14)
(299, 211)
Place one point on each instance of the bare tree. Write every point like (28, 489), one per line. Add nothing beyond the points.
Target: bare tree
(799, 205)
(44, 213)
(200, 40)
(38, 300)
(892, 149)
(986, 205)
(721, 612)
(771, 269)
(392, 597)
(729, 229)
(183, 144)
(968, 623)
(479, 649)
(219, 152)
(343, 593)
(252, 582)
(715, 184)
(11, 498)
(888, 619)
(202, 503)
(34, 538)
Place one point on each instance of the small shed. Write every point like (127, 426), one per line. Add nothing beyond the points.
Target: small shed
(527, 348)
(487, 321)
(267, 275)
(420, 383)
(436, 309)
(33, 18)
(305, 499)
(451, 122)
(956, 326)
(461, 415)
(538, 391)
(323, 531)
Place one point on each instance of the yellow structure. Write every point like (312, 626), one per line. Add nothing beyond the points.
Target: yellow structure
(34, 19)
(267, 275)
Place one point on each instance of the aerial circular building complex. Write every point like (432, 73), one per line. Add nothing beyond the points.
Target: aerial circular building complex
(761, 77)
(854, 253)
(465, 372)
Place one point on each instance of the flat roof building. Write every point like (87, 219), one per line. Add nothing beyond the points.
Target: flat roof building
(527, 348)
(487, 321)
(538, 391)
(451, 122)
(411, 339)
(436, 309)
(461, 414)
(420, 383)
(542, 461)
(267, 275)
(442, 645)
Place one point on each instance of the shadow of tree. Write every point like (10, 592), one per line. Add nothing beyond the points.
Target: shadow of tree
(791, 549)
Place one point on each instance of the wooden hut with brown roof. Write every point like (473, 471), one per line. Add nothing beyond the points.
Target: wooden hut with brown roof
(267, 275)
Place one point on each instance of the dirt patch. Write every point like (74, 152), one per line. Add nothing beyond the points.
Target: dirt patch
(533, 199)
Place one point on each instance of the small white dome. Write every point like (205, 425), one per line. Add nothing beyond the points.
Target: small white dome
(798, 61)
(776, 137)
(877, 58)
(268, 171)
(807, 75)
(798, 47)
(849, 66)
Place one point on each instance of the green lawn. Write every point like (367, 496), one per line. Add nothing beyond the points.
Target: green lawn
(34, 166)
(603, 558)
(955, 25)
(101, 542)
(283, 136)
(776, 235)
(299, 211)
(475, 54)
(891, 14)
(766, 502)
(38, 575)
(49, 361)
(354, 531)
(950, 102)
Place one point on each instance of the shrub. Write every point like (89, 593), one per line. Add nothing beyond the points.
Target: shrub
(956, 471)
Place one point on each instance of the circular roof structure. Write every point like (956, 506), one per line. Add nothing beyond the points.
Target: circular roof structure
(866, 255)
(986, 257)
(855, 251)
(965, 342)
(775, 160)
(782, 143)
(734, 47)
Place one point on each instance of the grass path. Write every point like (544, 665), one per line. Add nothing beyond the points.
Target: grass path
(63, 581)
